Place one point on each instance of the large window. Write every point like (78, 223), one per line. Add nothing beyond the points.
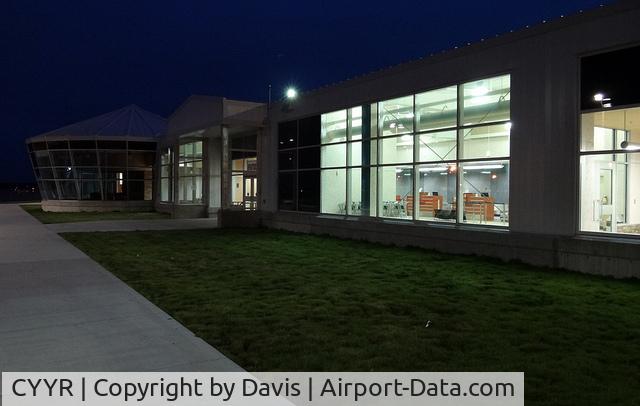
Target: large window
(190, 173)
(166, 175)
(299, 160)
(333, 161)
(348, 180)
(459, 152)
(413, 157)
(396, 116)
(610, 171)
(610, 143)
(485, 101)
(93, 169)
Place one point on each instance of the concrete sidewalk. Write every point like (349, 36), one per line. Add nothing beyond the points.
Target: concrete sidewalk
(134, 225)
(61, 311)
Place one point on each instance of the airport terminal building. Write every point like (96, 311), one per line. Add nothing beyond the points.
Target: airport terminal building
(522, 147)
(102, 163)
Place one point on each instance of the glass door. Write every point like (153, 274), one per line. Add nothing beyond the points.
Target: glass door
(250, 192)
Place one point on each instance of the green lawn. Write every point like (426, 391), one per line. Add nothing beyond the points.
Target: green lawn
(279, 301)
(48, 217)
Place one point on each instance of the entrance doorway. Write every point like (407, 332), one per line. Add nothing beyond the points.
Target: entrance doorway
(244, 171)
(250, 194)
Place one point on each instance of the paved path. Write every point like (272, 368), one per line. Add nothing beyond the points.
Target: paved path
(134, 225)
(61, 311)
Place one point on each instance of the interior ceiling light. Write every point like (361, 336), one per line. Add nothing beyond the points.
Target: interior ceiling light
(483, 167)
(434, 169)
(479, 91)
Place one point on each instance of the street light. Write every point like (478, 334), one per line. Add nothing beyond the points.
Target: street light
(291, 93)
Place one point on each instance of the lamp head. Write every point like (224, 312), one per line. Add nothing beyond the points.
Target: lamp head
(291, 93)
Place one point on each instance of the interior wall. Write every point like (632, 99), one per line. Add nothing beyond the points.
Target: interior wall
(333, 189)
(355, 185)
(237, 188)
(633, 183)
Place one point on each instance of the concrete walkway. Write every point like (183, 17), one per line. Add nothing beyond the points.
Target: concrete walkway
(134, 225)
(61, 311)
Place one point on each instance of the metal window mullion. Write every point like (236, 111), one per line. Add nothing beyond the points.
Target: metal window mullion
(492, 159)
(75, 177)
(459, 152)
(608, 152)
(484, 124)
(377, 163)
(100, 180)
(416, 199)
(126, 171)
(346, 200)
(55, 178)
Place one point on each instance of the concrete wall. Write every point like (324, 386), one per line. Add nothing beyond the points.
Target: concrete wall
(184, 211)
(96, 205)
(589, 255)
(196, 113)
(544, 217)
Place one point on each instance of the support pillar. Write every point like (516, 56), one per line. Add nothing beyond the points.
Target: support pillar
(225, 189)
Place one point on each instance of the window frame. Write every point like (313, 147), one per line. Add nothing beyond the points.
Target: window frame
(377, 139)
(169, 174)
(191, 159)
(591, 153)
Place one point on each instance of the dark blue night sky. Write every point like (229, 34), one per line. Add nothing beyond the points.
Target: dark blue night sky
(65, 61)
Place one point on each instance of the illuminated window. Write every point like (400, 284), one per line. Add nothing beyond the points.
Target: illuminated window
(190, 173)
(440, 156)
(166, 175)
(610, 172)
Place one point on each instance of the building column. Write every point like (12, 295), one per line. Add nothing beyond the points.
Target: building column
(214, 170)
(225, 189)
(175, 174)
(365, 171)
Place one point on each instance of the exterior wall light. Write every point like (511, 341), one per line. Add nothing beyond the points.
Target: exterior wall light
(291, 93)
(604, 101)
